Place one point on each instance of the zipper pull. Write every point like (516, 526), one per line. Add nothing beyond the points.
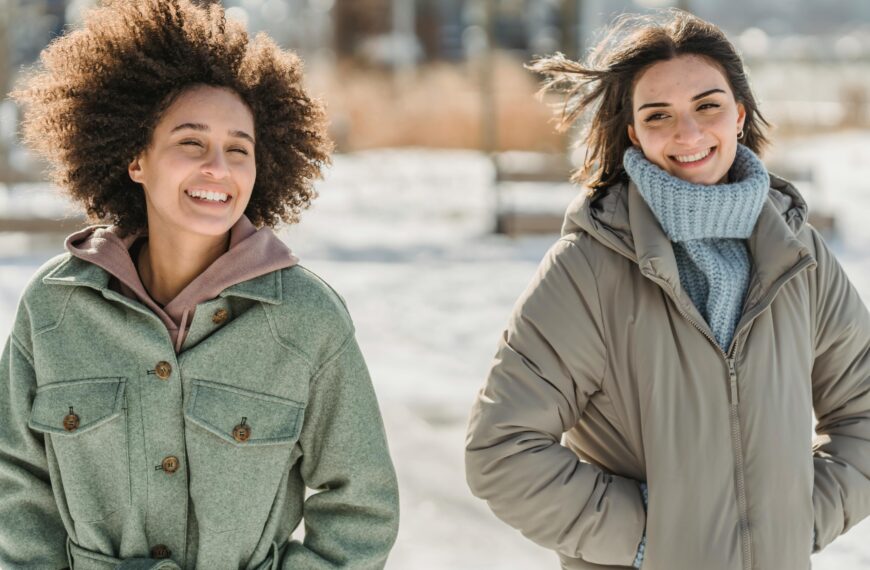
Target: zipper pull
(732, 375)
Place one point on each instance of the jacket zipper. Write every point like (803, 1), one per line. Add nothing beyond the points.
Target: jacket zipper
(736, 438)
(737, 444)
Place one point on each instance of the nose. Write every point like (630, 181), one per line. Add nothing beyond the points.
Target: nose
(688, 131)
(215, 165)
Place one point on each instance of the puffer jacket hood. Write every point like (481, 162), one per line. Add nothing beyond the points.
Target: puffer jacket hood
(607, 376)
(620, 219)
(251, 253)
(605, 215)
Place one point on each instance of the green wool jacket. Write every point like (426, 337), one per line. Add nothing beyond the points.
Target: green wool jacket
(117, 453)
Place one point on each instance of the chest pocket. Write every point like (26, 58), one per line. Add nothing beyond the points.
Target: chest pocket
(238, 447)
(85, 424)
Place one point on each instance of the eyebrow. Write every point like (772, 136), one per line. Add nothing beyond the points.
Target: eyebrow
(205, 128)
(695, 98)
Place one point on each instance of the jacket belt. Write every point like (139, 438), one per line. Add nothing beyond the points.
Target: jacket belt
(83, 559)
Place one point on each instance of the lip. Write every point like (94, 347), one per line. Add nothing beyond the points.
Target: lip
(697, 163)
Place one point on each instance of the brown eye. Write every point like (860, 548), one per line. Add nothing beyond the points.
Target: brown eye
(654, 117)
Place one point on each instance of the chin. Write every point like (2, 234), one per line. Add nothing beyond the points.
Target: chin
(706, 179)
(210, 228)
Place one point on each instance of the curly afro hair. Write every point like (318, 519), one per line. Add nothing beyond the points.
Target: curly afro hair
(91, 106)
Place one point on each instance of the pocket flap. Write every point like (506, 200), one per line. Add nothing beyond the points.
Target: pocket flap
(220, 408)
(93, 401)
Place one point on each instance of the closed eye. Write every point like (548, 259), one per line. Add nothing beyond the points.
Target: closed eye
(191, 142)
(240, 150)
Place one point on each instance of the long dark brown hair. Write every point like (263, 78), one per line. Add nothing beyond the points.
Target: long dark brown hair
(599, 91)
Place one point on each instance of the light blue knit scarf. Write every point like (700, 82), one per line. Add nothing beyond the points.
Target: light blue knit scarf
(708, 225)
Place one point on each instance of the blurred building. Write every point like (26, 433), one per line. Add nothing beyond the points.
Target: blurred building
(392, 32)
(383, 65)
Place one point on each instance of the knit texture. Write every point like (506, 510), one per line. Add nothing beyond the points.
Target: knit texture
(641, 548)
(708, 225)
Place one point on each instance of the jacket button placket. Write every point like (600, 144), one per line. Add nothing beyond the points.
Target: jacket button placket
(220, 316)
(208, 318)
(162, 415)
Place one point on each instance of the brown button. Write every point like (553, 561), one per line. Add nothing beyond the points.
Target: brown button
(160, 551)
(163, 370)
(242, 432)
(170, 464)
(219, 316)
(70, 422)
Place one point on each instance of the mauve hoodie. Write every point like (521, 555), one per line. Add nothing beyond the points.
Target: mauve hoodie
(251, 253)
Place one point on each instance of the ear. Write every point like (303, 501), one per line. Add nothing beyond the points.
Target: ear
(633, 136)
(134, 169)
(741, 117)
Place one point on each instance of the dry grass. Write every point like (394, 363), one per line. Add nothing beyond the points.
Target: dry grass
(436, 106)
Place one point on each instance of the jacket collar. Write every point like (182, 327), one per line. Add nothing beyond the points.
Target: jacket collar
(621, 220)
(266, 288)
(79, 273)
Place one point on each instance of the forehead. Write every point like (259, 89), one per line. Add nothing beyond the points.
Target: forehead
(677, 80)
(216, 107)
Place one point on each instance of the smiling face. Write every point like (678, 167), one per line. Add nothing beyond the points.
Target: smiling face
(198, 170)
(686, 120)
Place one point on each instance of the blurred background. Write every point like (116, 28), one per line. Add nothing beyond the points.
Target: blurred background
(449, 185)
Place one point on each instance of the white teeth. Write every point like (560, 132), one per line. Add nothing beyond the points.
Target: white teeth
(693, 157)
(213, 196)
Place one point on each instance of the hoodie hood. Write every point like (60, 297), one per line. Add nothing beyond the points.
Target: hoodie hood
(251, 253)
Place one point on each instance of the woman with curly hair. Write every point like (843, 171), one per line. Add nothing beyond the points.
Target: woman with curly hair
(680, 335)
(175, 382)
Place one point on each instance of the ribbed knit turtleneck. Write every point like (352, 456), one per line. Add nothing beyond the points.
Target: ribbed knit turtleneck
(708, 226)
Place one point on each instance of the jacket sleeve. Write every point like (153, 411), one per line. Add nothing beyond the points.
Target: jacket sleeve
(32, 534)
(841, 399)
(351, 520)
(549, 362)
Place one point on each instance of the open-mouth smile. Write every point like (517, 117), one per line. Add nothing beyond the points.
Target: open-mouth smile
(696, 159)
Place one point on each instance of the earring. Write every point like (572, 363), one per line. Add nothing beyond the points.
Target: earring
(740, 135)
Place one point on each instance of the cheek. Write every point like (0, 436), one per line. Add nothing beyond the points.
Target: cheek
(727, 122)
(249, 173)
(176, 166)
(175, 171)
(245, 176)
(651, 140)
(726, 117)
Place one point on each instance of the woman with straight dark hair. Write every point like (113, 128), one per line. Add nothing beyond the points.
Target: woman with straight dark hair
(177, 391)
(680, 335)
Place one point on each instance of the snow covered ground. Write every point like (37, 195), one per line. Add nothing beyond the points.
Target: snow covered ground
(405, 237)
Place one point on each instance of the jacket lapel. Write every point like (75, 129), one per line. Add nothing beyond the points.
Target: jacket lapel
(655, 256)
(777, 256)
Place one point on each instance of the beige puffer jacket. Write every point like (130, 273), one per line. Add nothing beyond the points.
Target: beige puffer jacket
(606, 347)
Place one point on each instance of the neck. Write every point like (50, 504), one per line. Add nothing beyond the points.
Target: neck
(168, 263)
